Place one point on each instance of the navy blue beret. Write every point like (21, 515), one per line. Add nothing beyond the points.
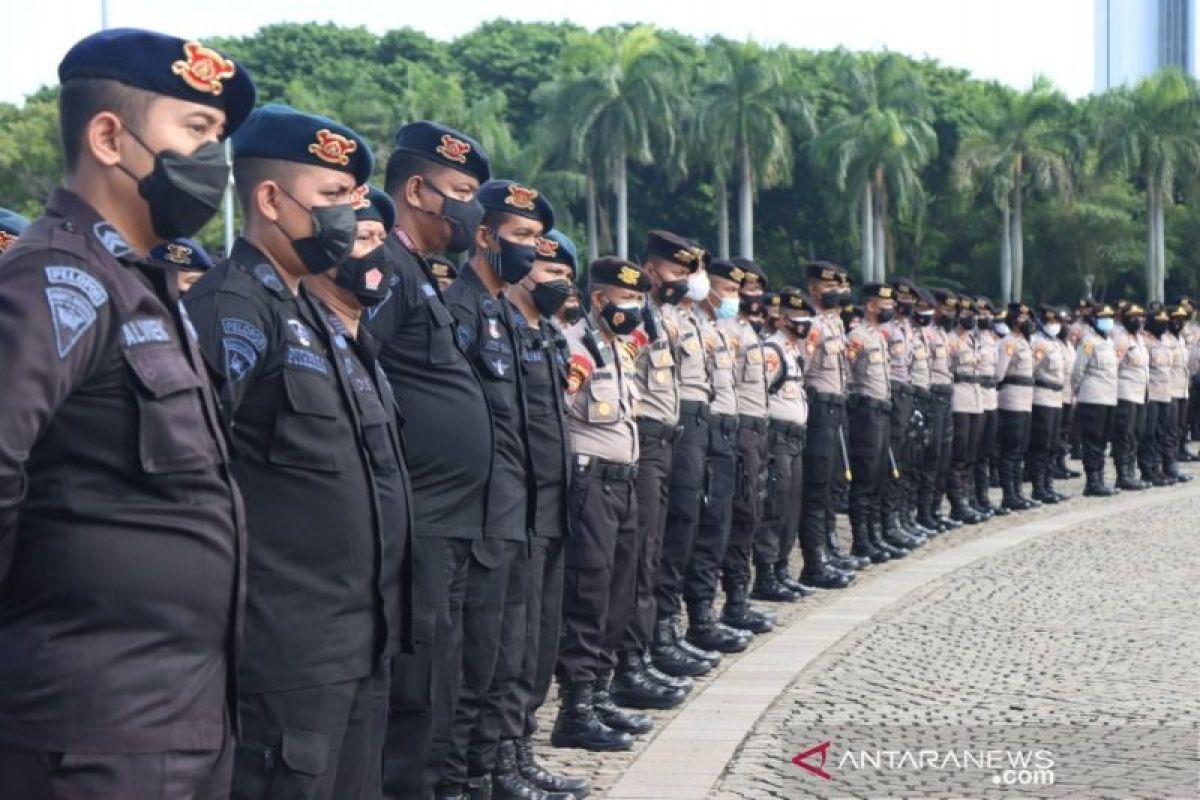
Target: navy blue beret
(510, 197)
(187, 254)
(614, 271)
(372, 203)
(283, 133)
(165, 65)
(445, 147)
(557, 247)
(12, 223)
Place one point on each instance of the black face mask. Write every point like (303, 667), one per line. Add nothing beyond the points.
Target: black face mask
(800, 329)
(923, 320)
(751, 304)
(334, 231)
(464, 217)
(513, 262)
(1062, 333)
(1176, 327)
(572, 314)
(1156, 327)
(985, 323)
(1027, 327)
(945, 323)
(886, 315)
(904, 309)
(758, 325)
(621, 321)
(1133, 325)
(183, 191)
(834, 299)
(549, 297)
(367, 277)
(672, 292)
(966, 322)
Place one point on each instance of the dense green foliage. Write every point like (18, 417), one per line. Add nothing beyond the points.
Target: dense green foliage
(708, 138)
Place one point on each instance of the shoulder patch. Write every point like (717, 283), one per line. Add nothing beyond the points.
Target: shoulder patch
(267, 277)
(231, 326)
(466, 336)
(579, 368)
(110, 239)
(240, 358)
(72, 314)
(428, 290)
(80, 279)
(144, 331)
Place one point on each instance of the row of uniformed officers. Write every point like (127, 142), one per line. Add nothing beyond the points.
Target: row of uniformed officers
(331, 526)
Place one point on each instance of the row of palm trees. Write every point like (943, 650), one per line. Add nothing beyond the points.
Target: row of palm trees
(749, 113)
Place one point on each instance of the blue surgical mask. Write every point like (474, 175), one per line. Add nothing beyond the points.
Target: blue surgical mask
(1104, 325)
(728, 309)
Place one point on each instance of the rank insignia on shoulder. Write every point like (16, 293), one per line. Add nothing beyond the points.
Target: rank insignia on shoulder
(579, 369)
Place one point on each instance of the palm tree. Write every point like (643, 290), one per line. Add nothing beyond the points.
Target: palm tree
(1021, 142)
(749, 117)
(618, 100)
(1152, 133)
(876, 146)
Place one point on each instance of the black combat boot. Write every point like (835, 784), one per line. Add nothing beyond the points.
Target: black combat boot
(613, 715)
(544, 779)
(632, 687)
(960, 509)
(767, 586)
(675, 682)
(924, 505)
(1127, 480)
(713, 657)
(837, 556)
(1095, 486)
(578, 726)
(706, 631)
(669, 658)
(875, 526)
(509, 784)
(817, 571)
(479, 787)
(784, 576)
(738, 614)
(1172, 471)
(862, 544)
(1037, 481)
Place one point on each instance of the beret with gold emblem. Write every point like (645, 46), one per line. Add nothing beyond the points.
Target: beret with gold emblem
(1180, 312)
(614, 271)
(756, 276)
(12, 225)
(442, 267)
(445, 147)
(825, 271)
(166, 65)
(795, 303)
(905, 289)
(880, 291)
(1017, 308)
(984, 303)
(280, 132)
(510, 197)
(967, 303)
(945, 297)
(722, 268)
(373, 204)
(557, 248)
(670, 246)
(184, 254)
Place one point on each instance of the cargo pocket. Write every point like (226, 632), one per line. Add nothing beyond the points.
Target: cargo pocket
(442, 349)
(172, 435)
(304, 758)
(305, 429)
(603, 400)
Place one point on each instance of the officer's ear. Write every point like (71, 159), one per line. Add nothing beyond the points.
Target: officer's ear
(266, 200)
(101, 138)
(412, 190)
(482, 239)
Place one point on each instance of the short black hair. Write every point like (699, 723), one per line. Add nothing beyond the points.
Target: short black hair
(81, 99)
(402, 165)
(248, 173)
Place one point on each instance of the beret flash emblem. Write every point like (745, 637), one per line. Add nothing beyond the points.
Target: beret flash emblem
(453, 149)
(204, 68)
(521, 197)
(547, 248)
(332, 148)
(178, 253)
(359, 199)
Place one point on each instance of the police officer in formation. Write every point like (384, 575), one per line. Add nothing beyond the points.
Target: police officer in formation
(389, 498)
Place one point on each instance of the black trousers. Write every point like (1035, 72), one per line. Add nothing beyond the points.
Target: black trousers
(1181, 421)
(1043, 432)
(822, 462)
(716, 513)
(543, 610)
(653, 481)
(1194, 409)
(600, 581)
(869, 436)
(785, 489)
(899, 425)
(1172, 432)
(684, 494)
(171, 775)
(941, 444)
(989, 448)
(1012, 435)
(749, 494)
(1156, 438)
(1128, 425)
(1065, 427)
(1095, 432)
(966, 449)
(425, 683)
(315, 743)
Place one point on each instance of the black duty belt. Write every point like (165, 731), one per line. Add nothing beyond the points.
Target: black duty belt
(755, 424)
(725, 423)
(606, 470)
(792, 430)
(901, 388)
(654, 430)
(987, 383)
(968, 379)
(1016, 380)
(693, 408)
(942, 389)
(1054, 387)
(827, 398)
(921, 393)
(862, 401)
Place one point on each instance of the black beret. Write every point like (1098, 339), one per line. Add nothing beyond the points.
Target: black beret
(825, 271)
(945, 297)
(1048, 310)
(1104, 310)
(371, 203)
(984, 303)
(510, 197)
(925, 297)
(793, 300)
(671, 247)
(445, 147)
(905, 289)
(877, 290)
(165, 65)
(1159, 312)
(720, 268)
(186, 254)
(1180, 311)
(1017, 308)
(558, 248)
(754, 272)
(966, 303)
(1135, 310)
(614, 271)
(442, 267)
(12, 225)
(281, 132)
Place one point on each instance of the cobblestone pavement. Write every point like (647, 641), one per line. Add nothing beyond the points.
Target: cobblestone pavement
(762, 768)
(1083, 644)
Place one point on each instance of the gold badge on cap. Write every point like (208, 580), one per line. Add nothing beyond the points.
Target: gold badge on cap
(178, 253)
(628, 276)
(737, 274)
(885, 292)
(453, 149)
(546, 248)
(521, 197)
(203, 68)
(359, 199)
(332, 148)
(685, 257)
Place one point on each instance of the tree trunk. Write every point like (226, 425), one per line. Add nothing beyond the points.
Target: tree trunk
(878, 213)
(622, 189)
(1018, 246)
(1160, 245)
(722, 218)
(868, 234)
(593, 226)
(745, 202)
(1151, 246)
(1005, 254)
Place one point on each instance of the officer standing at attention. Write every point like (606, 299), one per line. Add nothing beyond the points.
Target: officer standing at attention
(503, 252)
(1152, 450)
(432, 177)
(936, 465)
(987, 464)
(543, 355)
(1133, 378)
(1061, 470)
(1014, 370)
(1179, 391)
(317, 460)
(1049, 375)
(600, 553)
(870, 407)
(908, 372)
(966, 406)
(187, 258)
(122, 538)
(1094, 380)
(637, 682)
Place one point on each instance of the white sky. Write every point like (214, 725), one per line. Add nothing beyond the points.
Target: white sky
(1006, 40)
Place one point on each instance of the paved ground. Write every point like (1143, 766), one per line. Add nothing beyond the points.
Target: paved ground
(1050, 634)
